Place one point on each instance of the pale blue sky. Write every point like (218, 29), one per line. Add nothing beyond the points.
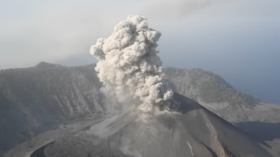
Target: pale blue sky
(237, 39)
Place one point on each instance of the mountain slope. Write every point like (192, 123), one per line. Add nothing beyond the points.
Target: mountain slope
(36, 99)
(208, 87)
(213, 92)
(194, 132)
(33, 100)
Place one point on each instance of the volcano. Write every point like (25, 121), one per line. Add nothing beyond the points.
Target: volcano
(154, 121)
(191, 131)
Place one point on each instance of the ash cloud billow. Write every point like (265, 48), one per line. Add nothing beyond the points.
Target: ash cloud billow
(129, 66)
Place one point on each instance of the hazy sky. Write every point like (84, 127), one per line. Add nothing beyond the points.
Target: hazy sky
(237, 39)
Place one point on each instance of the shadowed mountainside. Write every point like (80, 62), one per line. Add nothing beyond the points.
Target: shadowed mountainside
(33, 100)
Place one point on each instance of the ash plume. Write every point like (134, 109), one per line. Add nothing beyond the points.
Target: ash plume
(129, 66)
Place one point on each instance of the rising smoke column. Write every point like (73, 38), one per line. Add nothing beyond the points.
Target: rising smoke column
(129, 67)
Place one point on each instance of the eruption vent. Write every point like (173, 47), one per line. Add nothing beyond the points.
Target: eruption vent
(129, 67)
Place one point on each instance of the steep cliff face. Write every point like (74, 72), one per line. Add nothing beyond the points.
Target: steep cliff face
(36, 99)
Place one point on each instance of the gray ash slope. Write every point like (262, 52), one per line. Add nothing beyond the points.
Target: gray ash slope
(193, 132)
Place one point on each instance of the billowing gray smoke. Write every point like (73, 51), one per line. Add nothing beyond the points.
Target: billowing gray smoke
(129, 67)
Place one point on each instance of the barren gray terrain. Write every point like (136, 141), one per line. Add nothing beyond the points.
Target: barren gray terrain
(192, 131)
(51, 97)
